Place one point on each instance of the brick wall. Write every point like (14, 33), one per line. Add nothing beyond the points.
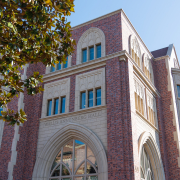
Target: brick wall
(169, 151)
(120, 152)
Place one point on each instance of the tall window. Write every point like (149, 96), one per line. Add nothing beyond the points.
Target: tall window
(178, 89)
(75, 161)
(84, 55)
(139, 98)
(59, 66)
(98, 50)
(63, 104)
(1, 109)
(66, 64)
(83, 100)
(136, 57)
(147, 68)
(98, 97)
(146, 168)
(53, 68)
(56, 104)
(49, 108)
(91, 53)
(151, 110)
(90, 98)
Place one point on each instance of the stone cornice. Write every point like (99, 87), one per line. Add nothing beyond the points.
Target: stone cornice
(175, 71)
(81, 67)
(160, 58)
(75, 113)
(97, 19)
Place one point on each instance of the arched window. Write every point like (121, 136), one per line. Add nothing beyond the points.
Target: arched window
(135, 50)
(146, 167)
(91, 45)
(147, 67)
(75, 161)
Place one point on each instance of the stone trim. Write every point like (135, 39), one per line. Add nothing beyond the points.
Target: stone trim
(46, 157)
(147, 140)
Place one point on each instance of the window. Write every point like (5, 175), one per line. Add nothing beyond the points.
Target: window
(91, 53)
(84, 55)
(147, 68)
(49, 108)
(136, 58)
(178, 89)
(52, 68)
(139, 98)
(98, 50)
(75, 160)
(59, 66)
(151, 110)
(56, 104)
(63, 104)
(90, 98)
(98, 97)
(1, 109)
(146, 168)
(66, 64)
(83, 100)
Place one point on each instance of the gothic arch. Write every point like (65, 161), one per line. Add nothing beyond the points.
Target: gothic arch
(147, 140)
(90, 37)
(45, 159)
(134, 44)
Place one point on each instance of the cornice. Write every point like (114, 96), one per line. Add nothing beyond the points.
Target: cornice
(160, 58)
(97, 19)
(81, 67)
(75, 113)
(175, 71)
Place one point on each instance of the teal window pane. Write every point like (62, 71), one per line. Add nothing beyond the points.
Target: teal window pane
(98, 97)
(52, 68)
(98, 50)
(66, 64)
(49, 107)
(90, 98)
(56, 103)
(63, 104)
(1, 109)
(178, 88)
(84, 55)
(83, 100)
(91, 53)
(59, 66)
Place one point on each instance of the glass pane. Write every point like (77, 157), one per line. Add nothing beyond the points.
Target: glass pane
(49, 107)
(79, 155)
(91, 157)
(90, 169)
(90, 98)
(84, 55)
(63, 104)
(79, 178)
(59, 66)
(65, 171)
(56, 161)
(66, 64)
(56, 172)
(178, 89)
(83, 100)
(81, 169)
(98, 50)
(98, 97)
(52, 68)
(66, 179)
(56, 103)
(1, 109)
(68, 155)
(92, 178)
(91, 53)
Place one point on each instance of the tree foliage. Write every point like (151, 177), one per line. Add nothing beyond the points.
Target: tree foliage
(31, 31)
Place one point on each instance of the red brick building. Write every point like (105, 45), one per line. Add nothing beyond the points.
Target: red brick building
(111, 112)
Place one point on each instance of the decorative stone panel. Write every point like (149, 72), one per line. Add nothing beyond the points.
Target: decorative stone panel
(90, 80)
(55, 90)
(91, 37)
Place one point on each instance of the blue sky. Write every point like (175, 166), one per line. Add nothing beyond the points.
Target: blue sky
(156, 21)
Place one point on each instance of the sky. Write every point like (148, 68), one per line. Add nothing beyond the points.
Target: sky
(156, 21)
